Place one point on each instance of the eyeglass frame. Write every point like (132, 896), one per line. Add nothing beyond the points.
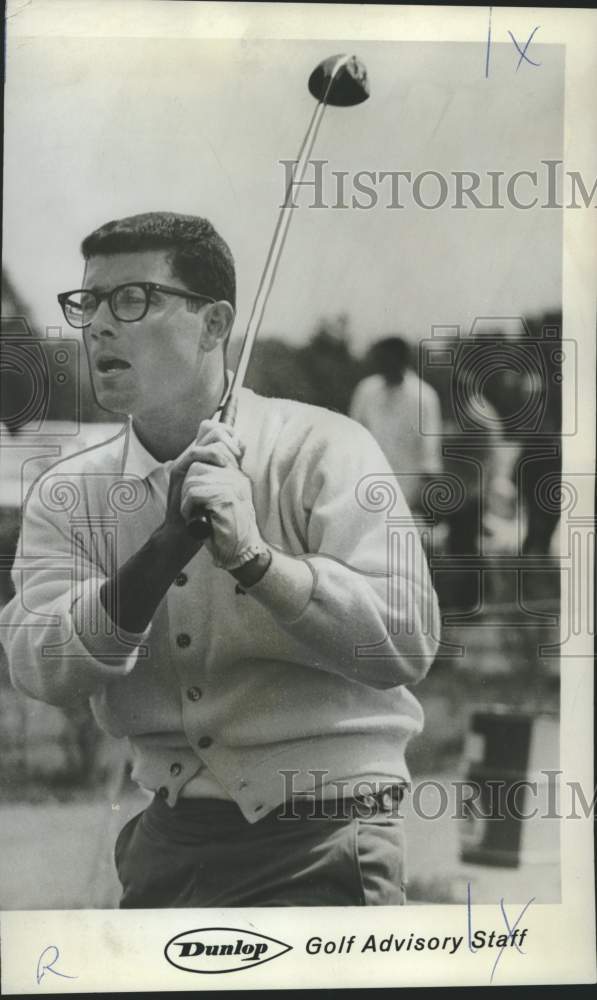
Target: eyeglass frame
(147, 287)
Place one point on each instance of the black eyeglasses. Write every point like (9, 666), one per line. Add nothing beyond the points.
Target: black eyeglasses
(128, 303)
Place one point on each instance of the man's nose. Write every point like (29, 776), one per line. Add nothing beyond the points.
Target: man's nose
(103, 324)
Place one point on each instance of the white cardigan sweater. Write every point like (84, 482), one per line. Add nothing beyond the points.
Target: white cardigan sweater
(216, 681)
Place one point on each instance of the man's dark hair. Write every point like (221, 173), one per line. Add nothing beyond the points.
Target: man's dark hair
(198, 255)
(391, 358)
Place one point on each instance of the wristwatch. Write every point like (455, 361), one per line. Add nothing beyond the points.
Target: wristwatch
(254, 570)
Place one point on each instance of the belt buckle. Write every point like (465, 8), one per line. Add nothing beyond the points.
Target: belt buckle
(387, 800)
(383, 801)
(391, 797)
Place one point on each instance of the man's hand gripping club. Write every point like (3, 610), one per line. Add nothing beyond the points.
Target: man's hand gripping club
(208, 475)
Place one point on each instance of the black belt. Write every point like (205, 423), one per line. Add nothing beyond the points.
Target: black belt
(385, 801)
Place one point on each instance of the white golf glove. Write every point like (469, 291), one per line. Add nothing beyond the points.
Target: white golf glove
(227, 495)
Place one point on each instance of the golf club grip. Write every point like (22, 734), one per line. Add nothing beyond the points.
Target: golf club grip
(199, 524)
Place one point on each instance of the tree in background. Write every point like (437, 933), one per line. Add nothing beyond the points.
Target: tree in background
(324, 372)
(275, 370)
(329, 366)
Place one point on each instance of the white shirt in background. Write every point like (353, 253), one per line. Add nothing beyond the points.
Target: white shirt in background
(406, 421)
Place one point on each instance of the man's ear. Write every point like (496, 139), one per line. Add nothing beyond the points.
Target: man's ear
(218, 318)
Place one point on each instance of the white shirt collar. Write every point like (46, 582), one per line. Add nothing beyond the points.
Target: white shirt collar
(137, 461)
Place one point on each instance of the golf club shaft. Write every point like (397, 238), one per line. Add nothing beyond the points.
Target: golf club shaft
(199, 523)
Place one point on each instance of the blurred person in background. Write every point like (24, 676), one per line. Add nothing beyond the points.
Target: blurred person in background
(472, 437)
(403, 414)
(540, 463)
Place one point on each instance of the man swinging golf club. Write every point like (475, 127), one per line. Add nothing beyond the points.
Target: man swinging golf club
(253, 670)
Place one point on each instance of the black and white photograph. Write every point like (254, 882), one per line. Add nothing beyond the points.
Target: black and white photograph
(297, 445)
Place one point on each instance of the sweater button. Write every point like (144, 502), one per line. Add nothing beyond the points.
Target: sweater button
(163, 792)
(183, 640)
(181, 579)
(175, 769)
(194, 693)
(204, 742)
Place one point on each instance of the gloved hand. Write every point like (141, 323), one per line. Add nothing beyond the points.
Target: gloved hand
(213, 479)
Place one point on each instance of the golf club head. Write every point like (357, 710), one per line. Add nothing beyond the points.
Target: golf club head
(347, 86)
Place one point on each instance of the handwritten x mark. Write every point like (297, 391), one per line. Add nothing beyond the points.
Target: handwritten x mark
(510, 932)
(522, 52)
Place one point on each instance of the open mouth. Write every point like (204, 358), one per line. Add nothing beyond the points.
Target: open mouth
(109, 366)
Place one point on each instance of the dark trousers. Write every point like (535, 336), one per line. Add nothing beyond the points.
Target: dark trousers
(205, 853)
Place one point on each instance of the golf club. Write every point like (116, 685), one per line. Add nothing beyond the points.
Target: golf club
(340, 81)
